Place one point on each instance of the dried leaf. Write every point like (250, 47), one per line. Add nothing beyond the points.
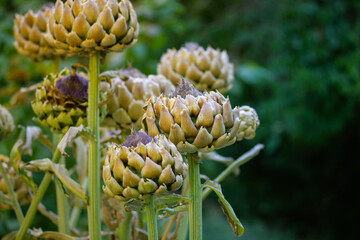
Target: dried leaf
(32, 133)
(235, 224)
(20, 95)
(70, 135)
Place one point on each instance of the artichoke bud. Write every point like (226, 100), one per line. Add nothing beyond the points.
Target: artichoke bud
(208, 69)
(6, 123)
(61, 101)
(152, 166)
(82, 27)
(130, 89)
(196, 121)
(20, 188)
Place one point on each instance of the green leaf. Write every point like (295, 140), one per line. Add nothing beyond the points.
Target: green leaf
(134, 205)
(235, 223)
(162, 201)
(5, 199)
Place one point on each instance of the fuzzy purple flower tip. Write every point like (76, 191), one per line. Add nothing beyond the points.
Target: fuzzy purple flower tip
(185, 88)
(74, 86)
(134, 138)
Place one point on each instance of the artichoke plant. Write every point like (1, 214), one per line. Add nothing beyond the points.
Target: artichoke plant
(19, 186)
(80, 27)
(130, 90)
(61, 101)
(198, 122)
(6, 123)
(142, 165)
(208, 69)
(29, 34)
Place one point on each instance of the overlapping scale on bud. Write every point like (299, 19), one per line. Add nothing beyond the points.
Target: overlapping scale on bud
(61, 101)
(198, 122)
(80, 27)
(130, 89)
(142, 165)
(6, 123)
(208, 69)
(20, 188)
(29, 33)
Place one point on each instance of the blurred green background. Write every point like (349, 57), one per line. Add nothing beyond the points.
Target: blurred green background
(296, 62)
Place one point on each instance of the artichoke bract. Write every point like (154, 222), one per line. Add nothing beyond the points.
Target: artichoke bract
(142, 165)
(208, 69)
(29, 32)
(198, 122)
(130, 91)
(80, 27)
(19, 186)
(61, 101)
(6, 123)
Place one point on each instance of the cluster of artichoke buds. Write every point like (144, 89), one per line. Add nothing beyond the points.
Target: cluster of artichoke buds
(198, 122)
(80, 27)
(143, 165)
(61, 101)
(29, 33)
(131, 88)
(6, 123)
(20, 188)
(208, 69)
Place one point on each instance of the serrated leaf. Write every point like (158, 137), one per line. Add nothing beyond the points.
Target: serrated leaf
(61, 173)
(134, 205)
(235, 223)
(70, 135)
(5, 199)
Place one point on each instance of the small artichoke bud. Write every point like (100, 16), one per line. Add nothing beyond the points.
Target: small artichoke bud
(140, 173)
(61, 101)
(20, 188)
(6, 123)
(81, 27)
(208, 69)
(29, 33)
(196, 121)
(130, 90)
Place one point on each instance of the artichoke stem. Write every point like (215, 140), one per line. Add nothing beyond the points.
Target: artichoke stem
(123, 231)
(18, 212)
(195, 211)
(36, 199)
(94, 148)
(151, 218)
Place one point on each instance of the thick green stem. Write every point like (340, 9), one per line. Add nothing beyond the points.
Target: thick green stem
(36, 199)
(16, 205)
(237, 163)
(94, 148)
(195, 211)
(123, 231)
(151, 218)
(62, 201)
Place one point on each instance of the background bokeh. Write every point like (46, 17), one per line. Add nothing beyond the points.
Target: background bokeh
(296, 62)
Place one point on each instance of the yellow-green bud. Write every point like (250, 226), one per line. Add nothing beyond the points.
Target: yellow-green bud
(6, 123)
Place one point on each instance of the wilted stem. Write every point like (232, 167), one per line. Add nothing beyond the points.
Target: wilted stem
(195, 210)
(94, 148)
(16, 205)
(37, 198)
(123, 231)
(61, 200)
(237, 163)
(151, 218)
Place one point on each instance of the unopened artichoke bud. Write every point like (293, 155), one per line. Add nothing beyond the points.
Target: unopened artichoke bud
(29, 34)
(196, 121)
(19, 186)
(61, 101)
(6, 123)
(143, 165)
(130, 91)
(208, 69)
(82, 27)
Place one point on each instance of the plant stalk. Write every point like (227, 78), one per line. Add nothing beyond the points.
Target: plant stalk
(94, 148)
(76, 211)
(36, 199)
(151, 217)
(123, 231)
(18, 212)
(61, 200)
(195, 210)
